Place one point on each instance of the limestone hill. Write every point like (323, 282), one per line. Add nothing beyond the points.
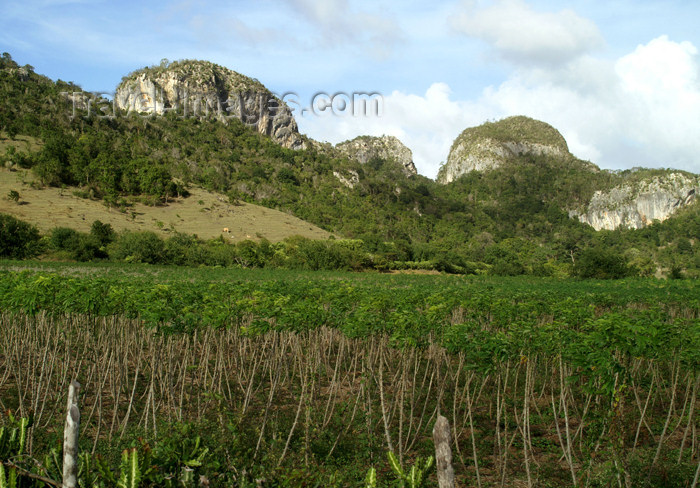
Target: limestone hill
(202, 89)
(490, 145)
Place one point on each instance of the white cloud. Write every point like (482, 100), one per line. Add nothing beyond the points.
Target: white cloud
(640, 110)
(339, 24)
(523, 35)
(662, 82)
(427, 124)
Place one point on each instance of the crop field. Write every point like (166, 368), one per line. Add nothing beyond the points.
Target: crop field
(273, 378)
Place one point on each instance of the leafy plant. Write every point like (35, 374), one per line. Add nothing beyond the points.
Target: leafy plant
(8, 478)
(13, 438)
(133, 469)
(416, 476)
(371, 478)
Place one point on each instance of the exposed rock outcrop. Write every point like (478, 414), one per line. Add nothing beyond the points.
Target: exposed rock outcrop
(204, 89)
(636, 205)
(352, 179)
(366, 148)
(489, 145)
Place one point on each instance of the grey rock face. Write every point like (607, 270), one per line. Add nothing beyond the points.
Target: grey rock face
(365, 148)
(638, 205)
(488, 154)
(203, 89)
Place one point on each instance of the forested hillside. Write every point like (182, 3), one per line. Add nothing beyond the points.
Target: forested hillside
(510, 220)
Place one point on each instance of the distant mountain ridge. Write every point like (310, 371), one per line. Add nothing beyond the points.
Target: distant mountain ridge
(511, 198)
(201, 88)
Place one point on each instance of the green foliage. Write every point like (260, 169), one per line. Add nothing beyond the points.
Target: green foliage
(139, 247)
(63, 238)
(600, 331)
(286, 176)
(317, 255)
(371, 478)
(518, 128)
(13, 437)
(185, 466)
(8, 477)
(18, 239)
(130, 470)
(134, 467)
(80, 246)
(13, 195)
(600, 264)
(104, 233)
(416, 476)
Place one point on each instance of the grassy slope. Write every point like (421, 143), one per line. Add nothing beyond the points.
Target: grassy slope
(54, 207)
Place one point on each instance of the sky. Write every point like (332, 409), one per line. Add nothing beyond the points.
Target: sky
(619, 79)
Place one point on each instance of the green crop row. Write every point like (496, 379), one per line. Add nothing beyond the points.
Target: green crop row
(491, 318)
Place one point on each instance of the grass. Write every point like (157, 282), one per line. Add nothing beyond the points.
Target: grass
(203, 213)
(20, 143)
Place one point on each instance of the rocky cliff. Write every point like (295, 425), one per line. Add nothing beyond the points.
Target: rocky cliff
(204, 89)
(490, 145)
(631, 198)
(366, 148)
(637, 204)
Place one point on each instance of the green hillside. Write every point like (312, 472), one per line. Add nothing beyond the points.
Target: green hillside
(512, 220)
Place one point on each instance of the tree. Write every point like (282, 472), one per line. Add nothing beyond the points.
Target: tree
(14, 196)
(600, 264)
(141, 247)
(52, 164)
(18, 239)
(104, 233)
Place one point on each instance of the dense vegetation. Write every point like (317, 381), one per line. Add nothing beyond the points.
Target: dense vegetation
(509, 221)
(308, 379)
(519, 128)
(608, 256)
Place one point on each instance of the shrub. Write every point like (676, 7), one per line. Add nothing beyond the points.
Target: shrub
(63, 239)
(18, 239)
(104, 233)
(183, 249)
(142, 247)
(81, 246)
(600, 264)
(88, 248)
(329, 255)
(504, 260)
(287, 177)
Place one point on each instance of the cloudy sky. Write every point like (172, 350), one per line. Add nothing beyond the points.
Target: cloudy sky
(620, 79)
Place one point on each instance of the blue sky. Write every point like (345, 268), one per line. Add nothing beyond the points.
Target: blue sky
(620, 79)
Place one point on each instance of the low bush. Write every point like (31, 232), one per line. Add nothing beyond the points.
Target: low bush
(18, 239)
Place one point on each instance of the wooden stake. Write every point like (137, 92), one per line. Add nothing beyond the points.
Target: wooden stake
(70, 438)
(443, 453)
